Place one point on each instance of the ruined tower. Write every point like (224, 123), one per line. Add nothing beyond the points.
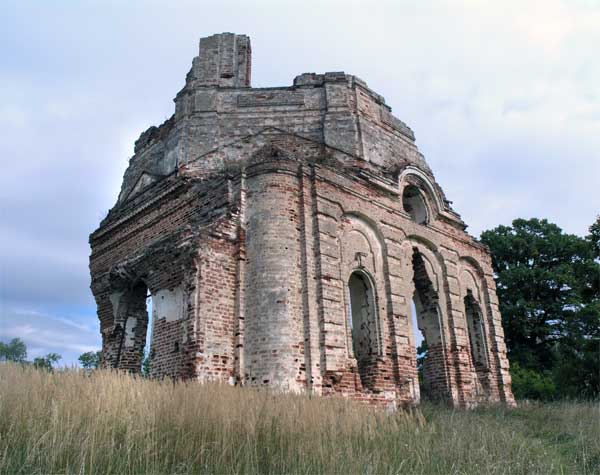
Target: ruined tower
(285, 236)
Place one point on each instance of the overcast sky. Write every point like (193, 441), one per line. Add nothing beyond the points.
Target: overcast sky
(503, 96)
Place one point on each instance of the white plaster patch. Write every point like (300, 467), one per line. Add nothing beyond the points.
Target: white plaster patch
(168, 304)
(115, 298)
(130, 331)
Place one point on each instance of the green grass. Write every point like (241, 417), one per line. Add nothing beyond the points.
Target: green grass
(68, 422)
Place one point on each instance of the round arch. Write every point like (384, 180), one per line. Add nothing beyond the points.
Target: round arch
(412, 176)
(431, 306)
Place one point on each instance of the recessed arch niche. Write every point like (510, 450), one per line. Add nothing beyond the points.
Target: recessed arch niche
(472, 293)
(361, 259)
(363, 321)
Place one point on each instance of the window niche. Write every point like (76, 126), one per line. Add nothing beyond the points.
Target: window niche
(476, 331)
(362, 322)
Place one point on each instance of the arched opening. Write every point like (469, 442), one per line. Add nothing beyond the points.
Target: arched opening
(430, 352)
(414, 204)
(362, 321)
(133, 318)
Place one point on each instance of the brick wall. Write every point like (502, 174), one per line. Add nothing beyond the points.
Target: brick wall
(245, 217)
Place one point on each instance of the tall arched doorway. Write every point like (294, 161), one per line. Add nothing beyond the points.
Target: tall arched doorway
(431, 358)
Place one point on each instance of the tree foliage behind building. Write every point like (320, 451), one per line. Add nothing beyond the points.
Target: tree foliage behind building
(47, 362)
(548, 287)
(90, 359)
(15, 350)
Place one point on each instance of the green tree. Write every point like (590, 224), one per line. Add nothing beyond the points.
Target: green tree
(14, 351)
(46, 362)
(421, 356)
(90, 360)
(547, 284)
(531, 384)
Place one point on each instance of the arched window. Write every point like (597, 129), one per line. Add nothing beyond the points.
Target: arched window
(414, 204)
(362, 321)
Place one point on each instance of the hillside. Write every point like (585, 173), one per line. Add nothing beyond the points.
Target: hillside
(68, 422)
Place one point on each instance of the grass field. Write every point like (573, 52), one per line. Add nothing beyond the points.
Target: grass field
(68, 422)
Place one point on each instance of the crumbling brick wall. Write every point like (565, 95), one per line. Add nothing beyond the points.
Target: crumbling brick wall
(281, 235)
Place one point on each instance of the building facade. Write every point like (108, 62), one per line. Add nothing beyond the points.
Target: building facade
(293, 237)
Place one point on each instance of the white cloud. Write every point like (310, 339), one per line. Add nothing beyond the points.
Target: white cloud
(44, 333)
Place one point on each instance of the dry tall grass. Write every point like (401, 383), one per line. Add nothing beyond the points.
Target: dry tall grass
(68, 422)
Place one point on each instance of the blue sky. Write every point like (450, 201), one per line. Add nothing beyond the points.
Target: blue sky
(504, 98)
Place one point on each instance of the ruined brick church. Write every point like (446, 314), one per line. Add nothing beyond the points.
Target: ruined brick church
(294, 237)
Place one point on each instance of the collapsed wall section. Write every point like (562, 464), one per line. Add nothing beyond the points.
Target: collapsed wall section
(151, 251)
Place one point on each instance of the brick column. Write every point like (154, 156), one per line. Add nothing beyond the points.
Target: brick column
(273, 351)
